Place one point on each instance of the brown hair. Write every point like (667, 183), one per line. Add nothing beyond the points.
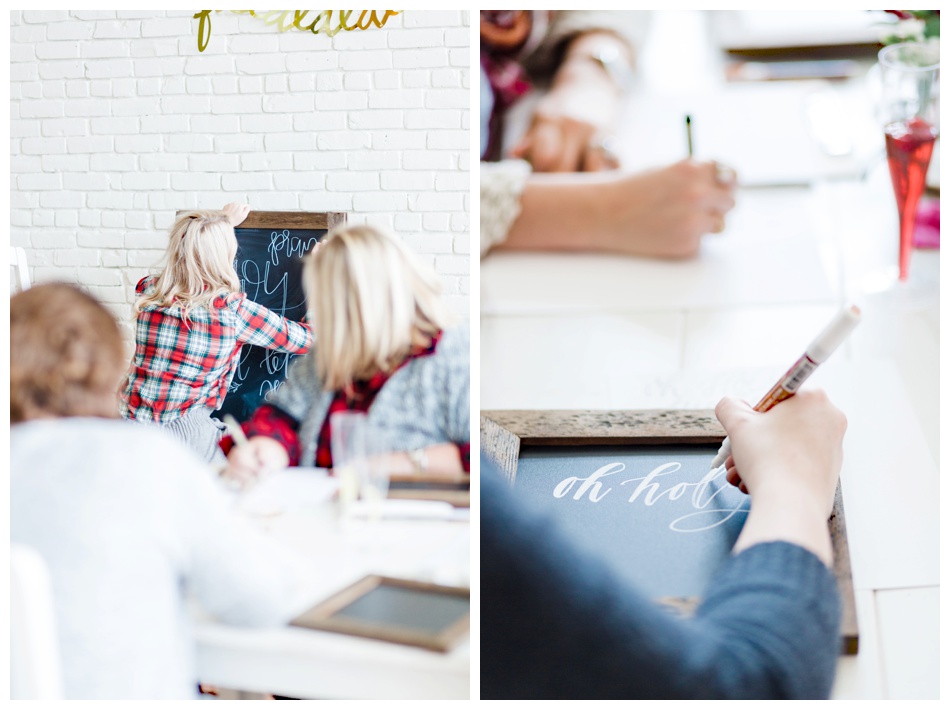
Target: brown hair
(66, 355)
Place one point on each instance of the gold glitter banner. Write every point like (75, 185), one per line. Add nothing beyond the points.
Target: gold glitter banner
(315, 21)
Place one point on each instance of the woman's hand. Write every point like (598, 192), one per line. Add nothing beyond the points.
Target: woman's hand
(236, 212)
(788, 459)
(250, 461)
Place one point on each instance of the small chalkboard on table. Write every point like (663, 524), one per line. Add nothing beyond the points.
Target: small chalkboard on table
(271, 247)
(634, 488)
(431, 616)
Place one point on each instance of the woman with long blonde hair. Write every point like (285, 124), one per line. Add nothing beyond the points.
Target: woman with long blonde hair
(191, 322)
(384, 345)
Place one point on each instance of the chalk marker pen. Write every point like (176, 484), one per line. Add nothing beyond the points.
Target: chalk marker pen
(820, 350)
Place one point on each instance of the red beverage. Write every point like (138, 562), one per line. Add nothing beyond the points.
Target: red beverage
(909, 147)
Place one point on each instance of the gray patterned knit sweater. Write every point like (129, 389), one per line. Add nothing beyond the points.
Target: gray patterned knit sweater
(425, 402)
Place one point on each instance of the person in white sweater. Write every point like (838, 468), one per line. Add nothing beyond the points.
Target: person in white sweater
(133, 527)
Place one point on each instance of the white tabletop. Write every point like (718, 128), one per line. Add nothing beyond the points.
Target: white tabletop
(604, 332)
(433, 547)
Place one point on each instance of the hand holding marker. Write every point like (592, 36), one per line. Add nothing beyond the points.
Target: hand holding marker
(820, 350)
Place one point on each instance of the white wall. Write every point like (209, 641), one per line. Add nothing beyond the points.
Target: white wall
(117, 121)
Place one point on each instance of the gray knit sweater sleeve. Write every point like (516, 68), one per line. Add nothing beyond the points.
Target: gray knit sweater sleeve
(426, 402)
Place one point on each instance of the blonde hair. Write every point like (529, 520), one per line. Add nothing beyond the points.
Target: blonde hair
(66, 355)
(370, 302)
(199, 263)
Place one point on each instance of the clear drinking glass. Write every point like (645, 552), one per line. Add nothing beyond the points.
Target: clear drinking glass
(348, 446)
(910, 111)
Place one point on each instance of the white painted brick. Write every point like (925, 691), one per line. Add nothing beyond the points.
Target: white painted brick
(189, 144)
(292, 181)
(100, 277)
(87, 181)
(196, 181)
(118, 29)
(47, 274)
(447, 98)
(52, 240)
(301, 82)
(261, 64)
(461, 58)
(447, 140)
(388, 79)
(435, 202)
(289, 104)
(265, 161)
(457, 181)
(101, 239)
(199, 85)
(366, 60)
(24, 129)
(358, 81)
(76, 257)
(406, 181)
(417, 79)
(375, 160)
(109, 162)
(174, 201)
(114, 126)
(281, 142)
(145, 258)
(254, 44)
(311, 61)
(236, 104)
(343, 140)
(87, 107)
(436, 222)
(304, 42)
(326, 202)
(105, 48)
(396, 99)
(249, 181)
(415, 58)
(28, 34)
(352, 182)
(274, 201)
(320, 161)
(167, 27)
(408, 222)
(417, 38)
(110, 200)
(448, 78)
(26, 164)
(320, 121)
(376, 119)
(77, 89)
(251, 85)
(457, 37)
(429, 118)
(90, 218)
(401, 140)
(204, 65)
(22, 53)
(145, 238)
(111, 258)
(165, 124)
(24, 72)
(224, 84)
(43, 146)
(379, 202)
(71, 30)
(276, 83)
(427, 160)
(137, 107)
(21, 218)
(155, 47)
(213, 163)
(102, 69)
(186, 103)
(113, 220)
(238, 144)
(64, 127)
(44, 218)
(57, 50)
(341, 100)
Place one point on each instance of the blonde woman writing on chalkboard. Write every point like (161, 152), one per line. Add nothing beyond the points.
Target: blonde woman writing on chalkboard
(191, 322)
(383, 346)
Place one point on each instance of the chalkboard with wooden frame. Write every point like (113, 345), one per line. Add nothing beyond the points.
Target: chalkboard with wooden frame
(269, 263)
(536, 450)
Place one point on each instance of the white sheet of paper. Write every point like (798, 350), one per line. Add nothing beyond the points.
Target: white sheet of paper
(287, 490)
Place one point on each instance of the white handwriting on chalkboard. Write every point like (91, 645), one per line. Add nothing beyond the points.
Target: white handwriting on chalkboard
(285, 244)
(649, 489)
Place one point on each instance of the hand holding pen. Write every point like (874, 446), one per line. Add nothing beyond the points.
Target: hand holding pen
(252, 458)
(816, 353)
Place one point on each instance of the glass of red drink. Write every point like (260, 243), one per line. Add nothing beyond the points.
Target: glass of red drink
(910, 74)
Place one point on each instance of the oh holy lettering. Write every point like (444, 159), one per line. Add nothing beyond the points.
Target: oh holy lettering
(316, 21)
(657, 486)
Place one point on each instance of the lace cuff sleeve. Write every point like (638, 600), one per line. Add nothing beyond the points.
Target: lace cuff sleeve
(501, 187)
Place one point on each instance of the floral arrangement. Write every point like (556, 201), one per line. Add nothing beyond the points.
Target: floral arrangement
(912, 26)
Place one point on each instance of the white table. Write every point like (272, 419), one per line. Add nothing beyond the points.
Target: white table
(314, 664)
(602, 332)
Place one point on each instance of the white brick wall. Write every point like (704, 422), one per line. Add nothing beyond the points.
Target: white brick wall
(117, 121)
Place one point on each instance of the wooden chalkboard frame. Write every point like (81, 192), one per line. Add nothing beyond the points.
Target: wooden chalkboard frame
(322, 617)
(505, 432)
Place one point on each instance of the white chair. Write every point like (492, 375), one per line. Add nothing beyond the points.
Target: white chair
(35, 671)
(21, 273)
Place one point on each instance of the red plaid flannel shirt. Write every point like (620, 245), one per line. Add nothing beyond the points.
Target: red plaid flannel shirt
(178, 366)
(272, 422)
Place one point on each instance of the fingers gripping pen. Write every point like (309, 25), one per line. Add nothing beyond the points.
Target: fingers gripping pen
(820, 350)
